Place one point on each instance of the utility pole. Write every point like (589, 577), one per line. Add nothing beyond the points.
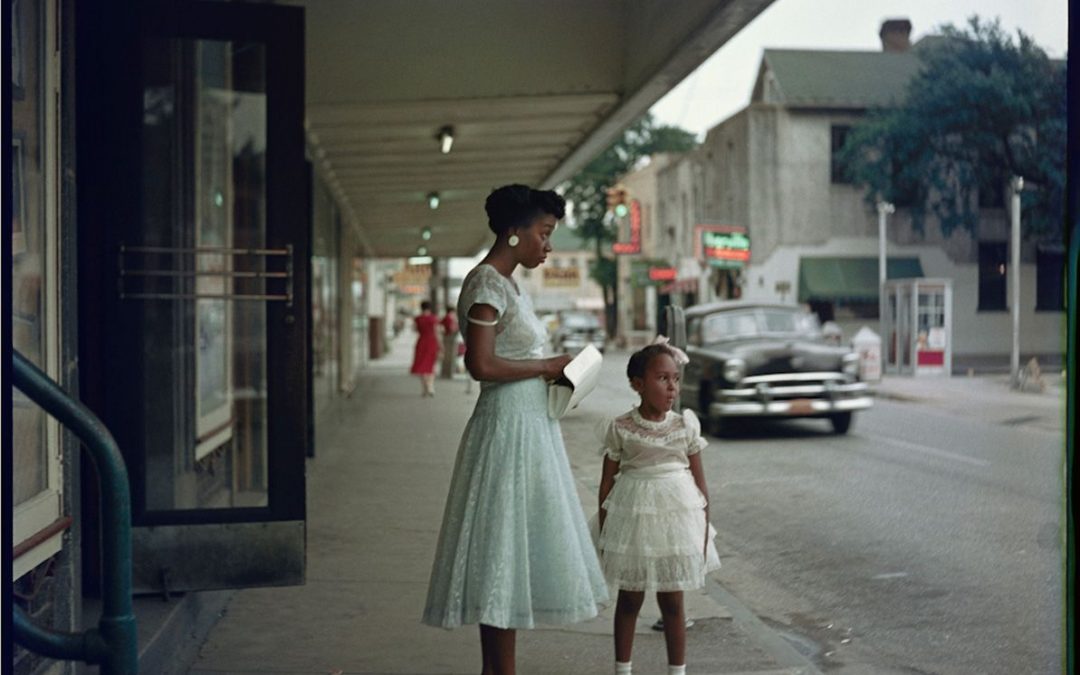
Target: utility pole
(1017, 186)
(884, 209)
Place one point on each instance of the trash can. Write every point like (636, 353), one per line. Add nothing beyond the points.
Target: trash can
(867, 344)
(376, 337)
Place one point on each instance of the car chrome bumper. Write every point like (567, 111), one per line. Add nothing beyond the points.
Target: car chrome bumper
(578, 345)
(791, 400)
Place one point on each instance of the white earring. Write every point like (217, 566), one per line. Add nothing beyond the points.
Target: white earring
(513, 240)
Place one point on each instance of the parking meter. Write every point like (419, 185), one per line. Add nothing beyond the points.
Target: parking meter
(676, 324)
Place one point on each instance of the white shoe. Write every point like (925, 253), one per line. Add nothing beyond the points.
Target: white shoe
(659, 625)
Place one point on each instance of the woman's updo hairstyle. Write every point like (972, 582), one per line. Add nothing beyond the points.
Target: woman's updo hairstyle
(514, 206)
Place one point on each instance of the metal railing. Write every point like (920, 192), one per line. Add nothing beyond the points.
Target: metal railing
(112, 644)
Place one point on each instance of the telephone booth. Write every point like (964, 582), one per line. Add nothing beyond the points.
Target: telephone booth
(917, 326)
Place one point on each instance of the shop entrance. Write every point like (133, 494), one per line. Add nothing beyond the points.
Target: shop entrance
(204, 296)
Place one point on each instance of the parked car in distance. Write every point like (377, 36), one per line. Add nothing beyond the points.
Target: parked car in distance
(752, 360)
(577, 329)
(550, 321)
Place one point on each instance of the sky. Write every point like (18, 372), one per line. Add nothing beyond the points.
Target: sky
(721, 86)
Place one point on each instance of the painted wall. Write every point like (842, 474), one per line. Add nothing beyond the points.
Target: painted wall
(974, 332)
(768, 168)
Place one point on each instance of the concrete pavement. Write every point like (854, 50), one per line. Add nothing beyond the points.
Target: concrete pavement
(375, 498)
(985, 397)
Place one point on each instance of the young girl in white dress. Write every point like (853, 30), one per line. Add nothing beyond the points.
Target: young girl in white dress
(654, 531)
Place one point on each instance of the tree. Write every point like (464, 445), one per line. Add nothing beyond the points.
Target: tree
(983, 108)
(588, 192)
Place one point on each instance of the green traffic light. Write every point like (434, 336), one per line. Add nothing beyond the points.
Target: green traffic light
(621, 210)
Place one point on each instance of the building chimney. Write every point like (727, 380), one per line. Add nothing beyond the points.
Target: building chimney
(895, 35)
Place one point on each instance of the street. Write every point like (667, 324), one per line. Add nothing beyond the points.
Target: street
(922, 542)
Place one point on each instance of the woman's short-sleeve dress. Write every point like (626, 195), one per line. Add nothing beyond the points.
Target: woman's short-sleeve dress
(427, 345)
(514, 549)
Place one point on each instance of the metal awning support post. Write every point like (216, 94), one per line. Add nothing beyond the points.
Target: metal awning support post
(112, 644)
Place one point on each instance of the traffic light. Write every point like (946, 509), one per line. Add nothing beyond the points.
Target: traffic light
(617, 200)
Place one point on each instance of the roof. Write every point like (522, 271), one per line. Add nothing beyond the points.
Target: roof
(837, 79)
(386, 81)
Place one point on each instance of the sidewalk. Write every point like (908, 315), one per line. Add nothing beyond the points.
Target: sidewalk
(375, 499)
(985, 397)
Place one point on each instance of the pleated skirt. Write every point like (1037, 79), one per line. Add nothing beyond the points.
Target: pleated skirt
(655, 535)
(514, 549)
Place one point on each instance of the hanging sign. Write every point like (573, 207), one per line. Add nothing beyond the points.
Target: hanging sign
(651, 273)
(561, 277)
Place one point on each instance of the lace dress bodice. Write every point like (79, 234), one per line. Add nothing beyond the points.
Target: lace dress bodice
(519, 334)
(638, 443)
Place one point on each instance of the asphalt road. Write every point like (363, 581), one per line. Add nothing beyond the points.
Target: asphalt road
(921, 542)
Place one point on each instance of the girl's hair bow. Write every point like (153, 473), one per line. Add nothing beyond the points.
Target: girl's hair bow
(681, 359)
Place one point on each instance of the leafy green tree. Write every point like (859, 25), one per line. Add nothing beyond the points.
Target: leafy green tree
(983, 108)
(588, 192)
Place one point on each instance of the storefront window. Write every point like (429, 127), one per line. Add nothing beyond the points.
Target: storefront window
(204, 144)
(29, 250)
(34, 436)
(324, 300)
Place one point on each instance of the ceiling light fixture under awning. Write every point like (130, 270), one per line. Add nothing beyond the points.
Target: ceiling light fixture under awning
(445, 137)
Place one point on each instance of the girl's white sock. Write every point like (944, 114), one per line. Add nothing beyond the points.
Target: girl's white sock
(622, 668)
(676, 670)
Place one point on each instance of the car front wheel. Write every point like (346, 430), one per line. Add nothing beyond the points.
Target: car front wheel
(841, 422)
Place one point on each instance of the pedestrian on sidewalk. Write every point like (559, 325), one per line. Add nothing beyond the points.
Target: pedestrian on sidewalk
(427, 349)
(514, 548)
(449, 324)
(653, 524)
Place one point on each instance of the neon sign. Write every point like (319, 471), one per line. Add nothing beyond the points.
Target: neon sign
(723, 246)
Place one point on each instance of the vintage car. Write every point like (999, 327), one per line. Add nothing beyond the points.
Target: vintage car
(577, 329)
(761, 360)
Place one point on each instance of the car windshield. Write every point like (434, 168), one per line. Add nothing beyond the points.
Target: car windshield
(743, 323)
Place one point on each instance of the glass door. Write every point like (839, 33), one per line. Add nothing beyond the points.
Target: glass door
(211, 299)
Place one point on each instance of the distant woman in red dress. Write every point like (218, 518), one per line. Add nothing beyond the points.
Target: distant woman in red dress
(427, 348)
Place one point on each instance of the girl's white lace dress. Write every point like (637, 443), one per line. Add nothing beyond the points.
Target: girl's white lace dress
(514, 549)
(654, 536)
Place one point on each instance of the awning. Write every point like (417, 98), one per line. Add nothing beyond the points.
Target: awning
(852, 279)
(681, 286)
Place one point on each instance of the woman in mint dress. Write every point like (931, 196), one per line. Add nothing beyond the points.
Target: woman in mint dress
(514, 549)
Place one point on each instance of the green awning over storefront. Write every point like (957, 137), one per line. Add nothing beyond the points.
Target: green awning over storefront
(851, 279)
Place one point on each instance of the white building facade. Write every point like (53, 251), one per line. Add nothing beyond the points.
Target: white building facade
(772, 170)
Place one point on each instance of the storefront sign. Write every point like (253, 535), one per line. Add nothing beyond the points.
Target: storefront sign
(562, 277)
(413, 279)
(634, 245)
(723, 246)
(651, 273)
